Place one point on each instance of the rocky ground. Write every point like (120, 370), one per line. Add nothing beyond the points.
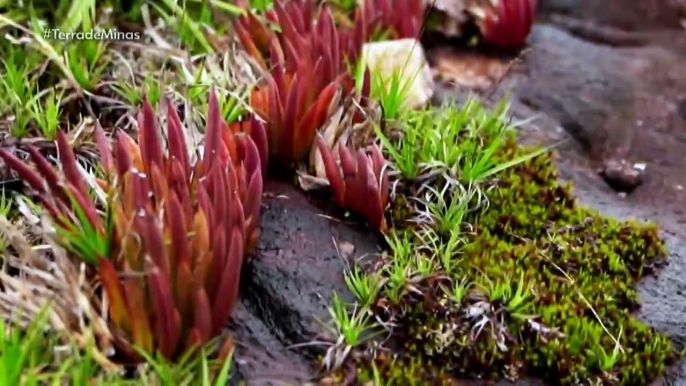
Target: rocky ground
(607, 78)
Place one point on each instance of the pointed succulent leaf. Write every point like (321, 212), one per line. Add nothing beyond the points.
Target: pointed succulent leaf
(149, 137)
(177, 139)
(249, 43)
(333, 174)
(258, 134)
(213, 131)
(28, 174)
(69, 165)
(228, 288)
(202, 315)
(141, 331)
(375, 210)
(118, 304)
(361, 182)
(151, 234)
(163, 307)
(48, 173)
(103, 146)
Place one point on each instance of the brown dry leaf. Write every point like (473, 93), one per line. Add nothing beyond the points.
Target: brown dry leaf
(473, 71)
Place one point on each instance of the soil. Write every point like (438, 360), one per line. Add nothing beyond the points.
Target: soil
(608, 79)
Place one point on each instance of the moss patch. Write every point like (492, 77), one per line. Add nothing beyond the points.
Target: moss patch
(541, 287)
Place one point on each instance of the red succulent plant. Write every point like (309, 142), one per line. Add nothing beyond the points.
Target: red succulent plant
(170, 246)
(400, 18)
(308, 64)
(361, 184)
(306, 34)
(508, 25)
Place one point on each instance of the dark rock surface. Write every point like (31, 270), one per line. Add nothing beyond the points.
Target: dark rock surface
(261, 359)
(634, 15)
(287, 285)
(617, 103)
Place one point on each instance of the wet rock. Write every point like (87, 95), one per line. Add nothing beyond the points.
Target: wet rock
(260, 358)
(621, 175)
(631, 15)
(617, 103)
(286, 288)
(598, 33)
(473, 71)
(289, 281)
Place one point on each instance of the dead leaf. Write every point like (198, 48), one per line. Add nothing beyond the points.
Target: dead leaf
(473, 71)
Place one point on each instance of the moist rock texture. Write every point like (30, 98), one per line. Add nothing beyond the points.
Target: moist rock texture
(637, 15)
(286, 286)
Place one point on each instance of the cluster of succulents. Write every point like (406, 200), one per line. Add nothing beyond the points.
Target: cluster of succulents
(170, 235)
(393, 19)
(307, 66)
(363, 185)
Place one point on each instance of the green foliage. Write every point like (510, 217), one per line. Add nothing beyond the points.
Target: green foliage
(187, 19)
(86, 61)
(458, 142)
(80, 237)
(510, 277)
(347, 5)
(494, 267)
(79, 368)
(134, 94)
(581, 267)
(5, 211)
(364, 287)
(350, 327)
(47, 114)
(261, 5)
(16, 88)
(24, 352)
(85, 58)
(188, 370)
(233, 103)
(392, 92)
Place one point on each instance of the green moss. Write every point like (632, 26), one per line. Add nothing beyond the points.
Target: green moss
(547, 290)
